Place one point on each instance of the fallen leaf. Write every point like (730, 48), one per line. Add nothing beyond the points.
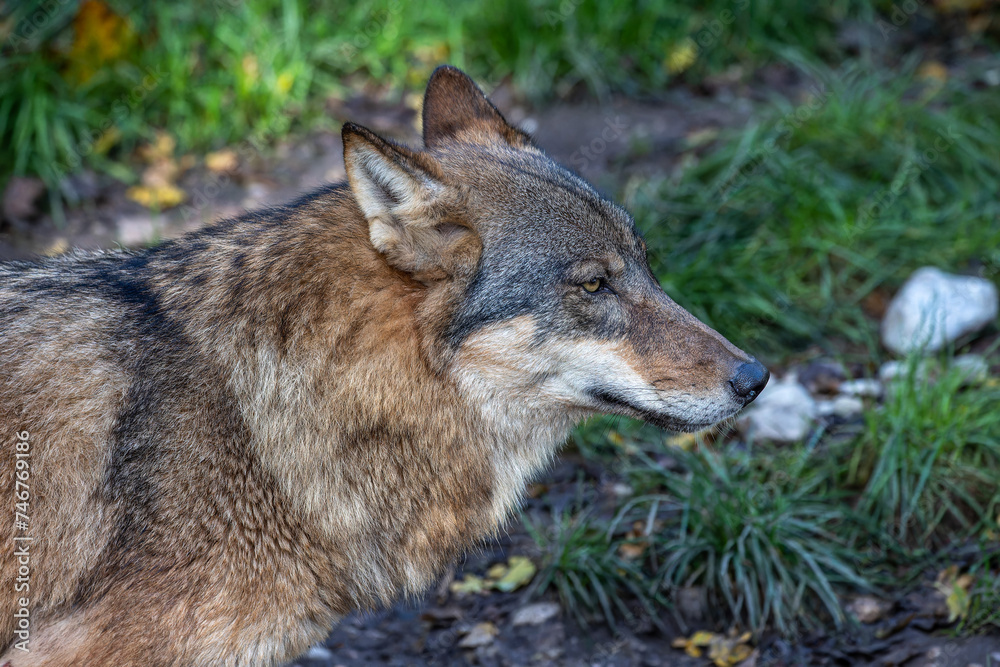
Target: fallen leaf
(723, 651)
(481, 634)
(632, 550)
(681, 56)
(497, 571)
(521, 571)
(161, 197)
(223, 161)
(700, 137)
(955, 588)
(162, 148)
(470, 584)
(684, 441)
(99, 37)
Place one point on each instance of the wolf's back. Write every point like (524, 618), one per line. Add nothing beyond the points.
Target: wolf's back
(64, 371)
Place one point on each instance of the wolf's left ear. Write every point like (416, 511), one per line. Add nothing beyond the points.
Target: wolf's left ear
(454, 105)
(401, 195)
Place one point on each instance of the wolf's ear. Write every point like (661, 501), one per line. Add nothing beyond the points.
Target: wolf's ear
(406, 204)
(454, 105)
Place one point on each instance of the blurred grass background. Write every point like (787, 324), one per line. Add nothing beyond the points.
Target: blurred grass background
(781, 234)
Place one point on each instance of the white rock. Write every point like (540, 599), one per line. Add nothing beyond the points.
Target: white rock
(865, 387)
(848, 406)
(783, 412)
(973, 367)
(934, 308)
(535, 614)
(898, 370)
(824, 408)
(136, 230)
(319, 652)
(481, 634)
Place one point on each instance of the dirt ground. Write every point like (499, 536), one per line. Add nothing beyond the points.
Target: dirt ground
(607, 143)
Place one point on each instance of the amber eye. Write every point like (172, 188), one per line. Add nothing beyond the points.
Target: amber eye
(593, 285)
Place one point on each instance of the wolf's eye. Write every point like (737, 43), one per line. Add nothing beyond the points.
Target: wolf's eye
(593, 285)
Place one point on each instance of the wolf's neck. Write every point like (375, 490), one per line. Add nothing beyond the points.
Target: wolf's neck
(400, 466)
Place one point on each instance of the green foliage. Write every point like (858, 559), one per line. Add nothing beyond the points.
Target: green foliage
(926, 465)
(777, 236)
(584, 568)
(984, 598)
(760, 533)
(216, 73)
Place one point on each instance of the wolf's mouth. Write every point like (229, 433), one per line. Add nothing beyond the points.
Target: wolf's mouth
(619, 403)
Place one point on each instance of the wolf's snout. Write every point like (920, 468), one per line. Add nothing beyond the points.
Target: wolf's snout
(750, 379)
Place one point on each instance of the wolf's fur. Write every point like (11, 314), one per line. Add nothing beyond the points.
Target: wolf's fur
(238, 437)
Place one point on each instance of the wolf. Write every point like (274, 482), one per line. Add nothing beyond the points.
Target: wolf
(235, 438)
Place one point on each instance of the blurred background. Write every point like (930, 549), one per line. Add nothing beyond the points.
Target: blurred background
(817, 181)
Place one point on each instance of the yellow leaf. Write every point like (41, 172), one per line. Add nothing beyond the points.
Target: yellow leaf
(470, 584)
(107, 139)
(251, 71)
(161, 197)
(160, 149)
(934, 71)
(497, 571)
(59, 247)
(685, 441)
(955, 588)
(284, 82)
(616, 438)
(521, 571)
(702, 638)
(99, 37)
(222, 161)
(958, 603)
(632, 550)
(681, 56)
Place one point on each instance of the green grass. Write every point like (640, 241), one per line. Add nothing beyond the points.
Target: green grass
(774, 237)
(585, 569)
(223, 71)
(984, 598)
(926, 465)
(761, 533)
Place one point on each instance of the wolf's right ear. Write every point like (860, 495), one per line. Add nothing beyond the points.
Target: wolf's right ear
(407, 206)
(455, 107)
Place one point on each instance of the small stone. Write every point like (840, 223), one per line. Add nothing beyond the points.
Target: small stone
(847, 407)
(898, 370)
(319, 652)
(136, 230)
(482, 634)
(535, 614)
(783, 413)
(622, 490)
(973, 368)
(865, 387)
(935, 308)
(824, 408)
(868, 609)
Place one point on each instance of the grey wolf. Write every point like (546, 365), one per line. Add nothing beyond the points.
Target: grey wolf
(238, 437)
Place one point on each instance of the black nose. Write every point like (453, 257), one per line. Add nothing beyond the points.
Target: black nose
(749, 380)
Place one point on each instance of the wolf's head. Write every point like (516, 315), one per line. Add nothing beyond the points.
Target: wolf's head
(539, 294)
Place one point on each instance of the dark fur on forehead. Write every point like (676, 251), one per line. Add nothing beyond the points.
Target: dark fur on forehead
(455, 108)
